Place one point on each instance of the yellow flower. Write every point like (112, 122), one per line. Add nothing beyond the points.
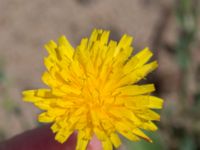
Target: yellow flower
(93, 91)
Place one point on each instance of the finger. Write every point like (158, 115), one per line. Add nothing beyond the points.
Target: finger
(38, 139)
(94, 144)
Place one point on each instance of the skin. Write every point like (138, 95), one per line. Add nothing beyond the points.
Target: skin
(42, 138)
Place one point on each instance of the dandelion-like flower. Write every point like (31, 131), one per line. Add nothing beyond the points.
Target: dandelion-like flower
(93, 90)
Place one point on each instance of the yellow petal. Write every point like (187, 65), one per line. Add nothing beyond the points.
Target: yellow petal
(63, 134)
(138, 74)
(66, 48)
(143, 101)
(44, 117)
(36, 95)
(139, 133)
(149, 115)
(149, 125)
(50, 47)
(128, 135)
(107, 145)
(55, 127)
(81, 141)
(132, 90)
(101, 135)
(143, 56)
(115, 140)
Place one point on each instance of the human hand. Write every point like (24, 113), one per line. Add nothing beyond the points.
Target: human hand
(42, 138)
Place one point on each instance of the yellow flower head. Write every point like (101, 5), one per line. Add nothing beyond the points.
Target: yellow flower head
(93, 91)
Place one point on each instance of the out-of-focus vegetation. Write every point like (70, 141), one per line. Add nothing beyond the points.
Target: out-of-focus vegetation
(10, 107)
(180, 128)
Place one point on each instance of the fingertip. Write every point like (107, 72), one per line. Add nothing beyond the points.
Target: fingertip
(94, 144)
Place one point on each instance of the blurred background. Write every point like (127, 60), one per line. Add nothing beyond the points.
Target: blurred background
(171, 28)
